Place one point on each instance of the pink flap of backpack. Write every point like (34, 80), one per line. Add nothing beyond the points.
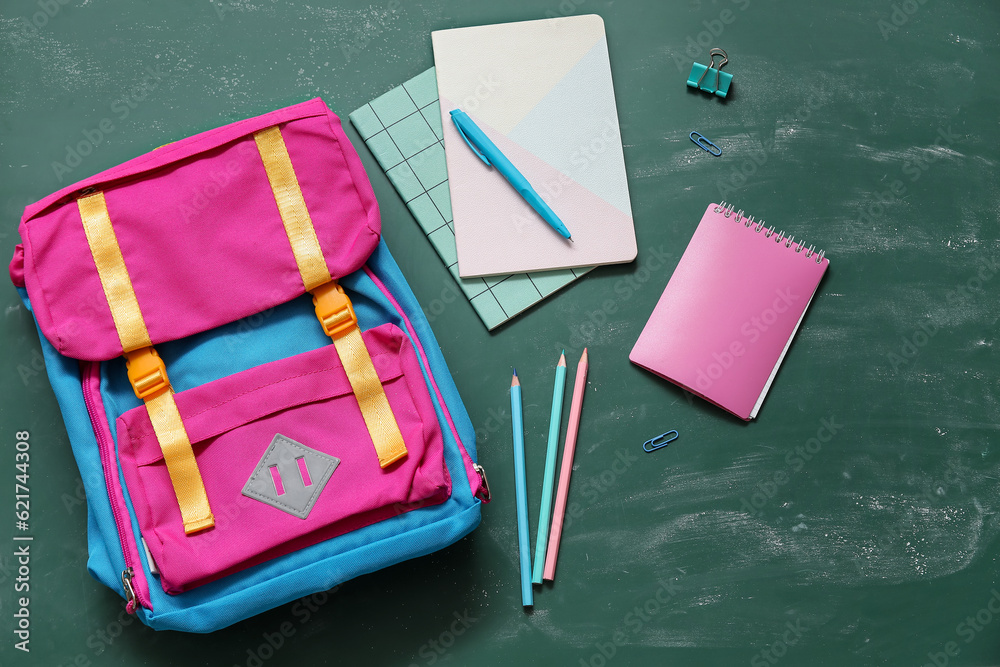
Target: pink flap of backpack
(199, 230)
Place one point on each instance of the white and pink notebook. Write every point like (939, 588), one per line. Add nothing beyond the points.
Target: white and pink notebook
(542, 92)
(730, 310)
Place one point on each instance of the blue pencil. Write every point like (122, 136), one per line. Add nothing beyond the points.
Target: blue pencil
(521, 492)
(549, 479)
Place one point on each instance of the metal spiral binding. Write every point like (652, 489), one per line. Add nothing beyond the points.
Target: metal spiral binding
(748, 222)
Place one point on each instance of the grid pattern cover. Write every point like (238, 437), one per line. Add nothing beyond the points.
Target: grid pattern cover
(402, 128)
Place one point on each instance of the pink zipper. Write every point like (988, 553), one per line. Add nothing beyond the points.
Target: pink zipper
(133, 579)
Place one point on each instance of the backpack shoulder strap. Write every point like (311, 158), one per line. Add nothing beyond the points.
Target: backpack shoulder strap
(145, 367)
(333, 306)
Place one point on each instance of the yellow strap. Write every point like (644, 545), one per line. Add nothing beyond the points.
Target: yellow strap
(292, 207)
(371, 397)
(144, 364)
(111, 269)
(181, 464)
(368, 390)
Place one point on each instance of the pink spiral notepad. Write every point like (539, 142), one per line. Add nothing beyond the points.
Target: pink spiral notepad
(730, 310)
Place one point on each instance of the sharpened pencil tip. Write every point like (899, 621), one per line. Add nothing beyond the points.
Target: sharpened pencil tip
(515, 372)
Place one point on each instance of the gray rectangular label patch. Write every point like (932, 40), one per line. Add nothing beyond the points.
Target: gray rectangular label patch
(290, 476)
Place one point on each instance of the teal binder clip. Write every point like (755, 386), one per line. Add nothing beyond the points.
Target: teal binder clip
(720, 85)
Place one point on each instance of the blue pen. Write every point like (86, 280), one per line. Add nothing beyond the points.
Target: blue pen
(488, 152)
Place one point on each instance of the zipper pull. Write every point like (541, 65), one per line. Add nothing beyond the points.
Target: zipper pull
(130, 598)
(484, 491)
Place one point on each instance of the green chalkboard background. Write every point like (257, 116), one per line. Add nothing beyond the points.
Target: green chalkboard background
(868, 127)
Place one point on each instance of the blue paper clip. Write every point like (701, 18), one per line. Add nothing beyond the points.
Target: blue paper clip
(705, 143)
(653, 444)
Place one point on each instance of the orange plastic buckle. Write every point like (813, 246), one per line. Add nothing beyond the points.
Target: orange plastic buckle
(333, 309)
(146, 372)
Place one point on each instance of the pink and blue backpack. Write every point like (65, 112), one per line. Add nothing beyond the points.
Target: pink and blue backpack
(254, 398)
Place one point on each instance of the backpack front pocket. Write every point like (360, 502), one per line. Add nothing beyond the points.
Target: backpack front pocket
(286, 459)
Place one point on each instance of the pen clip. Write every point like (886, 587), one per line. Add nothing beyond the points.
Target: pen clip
(458, 127)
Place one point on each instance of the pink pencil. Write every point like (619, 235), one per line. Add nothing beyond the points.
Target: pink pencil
(559, 513)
